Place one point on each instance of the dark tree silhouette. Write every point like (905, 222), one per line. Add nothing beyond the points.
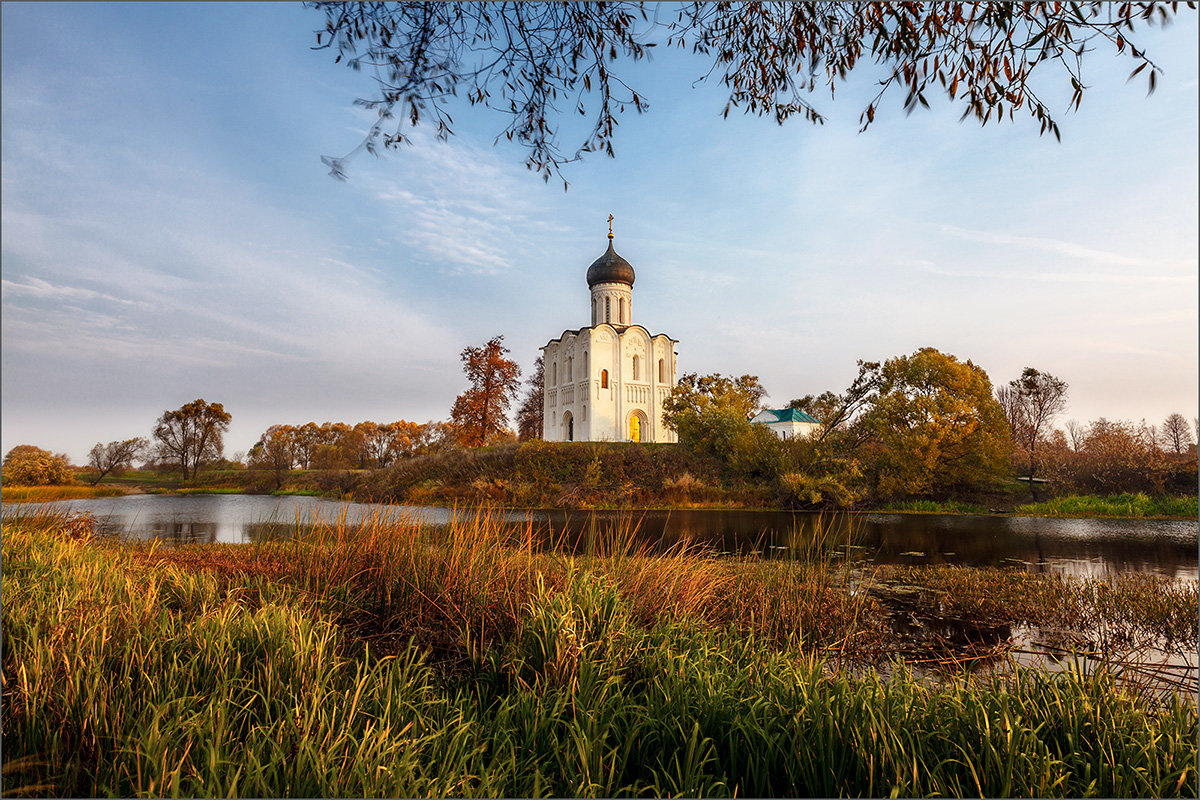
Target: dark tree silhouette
(529, 416)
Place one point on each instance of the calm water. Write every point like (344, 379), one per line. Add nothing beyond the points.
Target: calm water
(1083, 547)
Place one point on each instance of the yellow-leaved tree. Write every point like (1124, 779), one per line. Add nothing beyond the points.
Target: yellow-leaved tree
(933, 425)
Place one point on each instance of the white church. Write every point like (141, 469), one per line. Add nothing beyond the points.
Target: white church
(607, 382)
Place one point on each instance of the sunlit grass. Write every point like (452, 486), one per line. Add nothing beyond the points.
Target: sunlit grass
(49, 494)
(935, 507)
(389, 660)
(1117, 505)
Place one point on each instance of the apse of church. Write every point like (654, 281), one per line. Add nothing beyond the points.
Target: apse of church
(607, 382)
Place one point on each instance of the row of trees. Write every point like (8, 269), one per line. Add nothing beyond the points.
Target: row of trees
(917, 424)
(186, 438)
(929, 424)
(337, 445)
(1107, 456)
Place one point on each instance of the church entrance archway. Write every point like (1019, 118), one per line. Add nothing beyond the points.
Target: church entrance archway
(569, 427)
(639, 427)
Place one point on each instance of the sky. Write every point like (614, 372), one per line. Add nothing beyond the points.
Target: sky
(168, 232)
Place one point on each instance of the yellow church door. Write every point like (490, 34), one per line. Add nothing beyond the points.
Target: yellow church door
(635, 429)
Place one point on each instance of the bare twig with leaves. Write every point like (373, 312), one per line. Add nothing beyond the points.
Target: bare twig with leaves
(535, 62)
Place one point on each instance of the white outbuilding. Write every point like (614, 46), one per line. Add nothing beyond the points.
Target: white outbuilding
(607, 382)
(787, 423)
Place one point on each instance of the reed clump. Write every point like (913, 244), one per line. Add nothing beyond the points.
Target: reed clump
(1118, 606)
(394, 661)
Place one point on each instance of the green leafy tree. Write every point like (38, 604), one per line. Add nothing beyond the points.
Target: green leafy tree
(933, 424)
(711, 414)
(531, 62)
(26, 465)
(192, 435)
(480, 414)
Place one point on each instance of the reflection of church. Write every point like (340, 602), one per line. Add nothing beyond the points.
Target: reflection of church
(607, 382)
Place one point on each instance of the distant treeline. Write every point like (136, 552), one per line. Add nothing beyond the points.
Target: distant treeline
(337, 445)
(1108, 457)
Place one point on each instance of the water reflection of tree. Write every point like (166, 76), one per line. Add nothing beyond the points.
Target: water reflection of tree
(178, 533)
(259, 532)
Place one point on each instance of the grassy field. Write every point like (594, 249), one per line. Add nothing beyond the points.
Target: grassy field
(381, 662)
(1116, 505)
(50, 494)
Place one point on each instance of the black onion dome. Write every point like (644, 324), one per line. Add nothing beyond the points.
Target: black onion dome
(610, 268)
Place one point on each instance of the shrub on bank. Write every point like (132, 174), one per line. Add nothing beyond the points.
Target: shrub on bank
(26, 465)
(578, 474)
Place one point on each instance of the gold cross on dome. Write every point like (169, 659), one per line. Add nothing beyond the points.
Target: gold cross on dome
(610, 219)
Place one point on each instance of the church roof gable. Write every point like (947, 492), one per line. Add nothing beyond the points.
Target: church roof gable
(790, 415)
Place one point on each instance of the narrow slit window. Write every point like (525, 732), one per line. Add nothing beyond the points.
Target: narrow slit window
(662, 371)
(608, 309)
(621, 304)
(636, 374)
(603, 379)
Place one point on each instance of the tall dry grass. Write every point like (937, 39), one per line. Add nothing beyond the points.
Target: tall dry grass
(49, 494)
(396, 661)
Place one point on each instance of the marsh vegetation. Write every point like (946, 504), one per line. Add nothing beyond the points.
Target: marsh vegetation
(385, 660)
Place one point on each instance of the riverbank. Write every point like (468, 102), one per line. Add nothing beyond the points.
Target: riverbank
(1122, 506)
(376, 664)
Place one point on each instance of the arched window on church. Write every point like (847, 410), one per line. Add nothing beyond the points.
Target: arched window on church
(636, 373)
(603, 379)
(621, 304)
(570, 377)
(554, 373)
(586, 374)
(662, 371)
(608, 309)
(595, 311)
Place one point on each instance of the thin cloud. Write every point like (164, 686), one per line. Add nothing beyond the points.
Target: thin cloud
(44, 290)
(1054, 246)
(458, 208)
(1055, 277)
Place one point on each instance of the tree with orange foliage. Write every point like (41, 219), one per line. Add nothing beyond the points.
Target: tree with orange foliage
(481, 413)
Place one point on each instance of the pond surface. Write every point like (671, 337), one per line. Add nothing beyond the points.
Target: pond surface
(1092, 547)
